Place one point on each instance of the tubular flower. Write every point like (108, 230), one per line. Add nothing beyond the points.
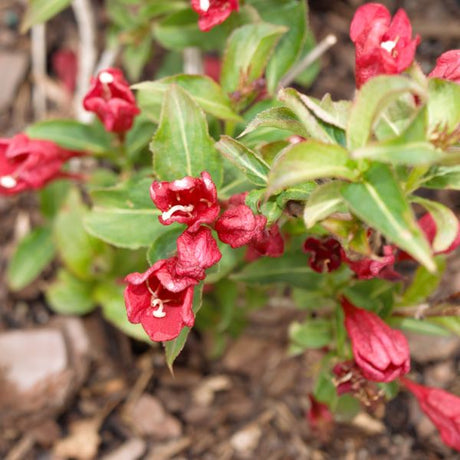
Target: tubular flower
(196, 252)
(382, 353)
(442, 408)
(325, 254)
(268, 242)
(239, 225)
(111, 99)
(382, 45)
(159, 301)
(448, 66)
(29, 164)
(213, 12)
(191, 201)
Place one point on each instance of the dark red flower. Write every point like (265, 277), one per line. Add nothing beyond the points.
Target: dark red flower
(382, 45)
(325, 254)
(319, 417)
(65, 65)
(268, 242)
(162, 305)
(374, 267)
(29, 164)
(382, 353)
(212, 67)
(442, 408)
(111, 99)
(190, 200)
(213, 12)
(238, 225)
(448, 66)
(196, 252)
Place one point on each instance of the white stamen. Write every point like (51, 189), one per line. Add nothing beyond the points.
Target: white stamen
(105, 77)
(388, 45)
(8, 181)
(167, 214)
(204, 5)
(159, 313)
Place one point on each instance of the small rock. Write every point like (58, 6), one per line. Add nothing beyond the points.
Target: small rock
(246, 440)
(425, 348)
(169, 450)
(16, 63)
(148, 417)
(130, 450)
(203, 394)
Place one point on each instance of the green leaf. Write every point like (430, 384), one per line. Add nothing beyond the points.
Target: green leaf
(324, 201)
(110, 296)
(250, 164)
(182, 146)
(52, 197)
(299, 192)
(73, 135)
(444, 177)
(374, 97)
(203, 90)
(33, 253)
(165, 245)
(136, 55)
(446, 222)
(124, 215)
(443, 105)
(380, 203)
(39, 11)
(69, 295)
(419, 326)
(333, 113)
(139, 136)
(451, 323)
(174, 347)
(277, 117)
(290, 268)
(314, 333)
(309, 160)
(247, 53)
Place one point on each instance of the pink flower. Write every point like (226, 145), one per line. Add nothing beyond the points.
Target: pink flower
(448, 66)
(29, 164)
(268, 242)
(325, 254)
(382, 353)
(239, 225)
(213, 12)
(191, 201)
(160, 301)
(442, 408)
(111, 99)
(382, 45)
(196, 252)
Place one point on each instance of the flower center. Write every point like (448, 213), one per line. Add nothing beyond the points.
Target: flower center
(106, 78)
(159, 305)
(204, 5)
(177, 208)
(8, 181)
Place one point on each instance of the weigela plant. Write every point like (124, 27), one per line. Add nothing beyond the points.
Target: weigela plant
(208, 195)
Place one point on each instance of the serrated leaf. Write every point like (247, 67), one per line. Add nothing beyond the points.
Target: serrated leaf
(324, 200)
(73, 135)
(334, 113)
(33, 253)
(247, 53)
(39, 11)
(380, 203)
(307, 161)
(203, 90)
(246, 160)
(181, 145)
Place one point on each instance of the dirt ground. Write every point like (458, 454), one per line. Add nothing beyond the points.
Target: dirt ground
(102, 395)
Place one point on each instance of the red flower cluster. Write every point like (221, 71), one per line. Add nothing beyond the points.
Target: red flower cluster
(448, 66)
(111, 99)
(442, 408)
(382, 353)
(382, 45)
(213, 12)
(29, 164)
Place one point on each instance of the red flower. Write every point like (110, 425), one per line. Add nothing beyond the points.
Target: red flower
(442, 408)
(159, 301)
(381, 352)
(325, 254)
(319, 417)
(238, 225)
(383, 45)
(448, 66)
(190, 200)
(268, 242)
(65, 65)
(213, 12)
(110, 98)
(212, 67)
(196, 252)
(27, 164)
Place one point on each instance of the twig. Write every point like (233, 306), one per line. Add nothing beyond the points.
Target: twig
(107, 59)
(193, 61)
(311, 57)
(84, 16)
(38, 49)
(425, 310)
